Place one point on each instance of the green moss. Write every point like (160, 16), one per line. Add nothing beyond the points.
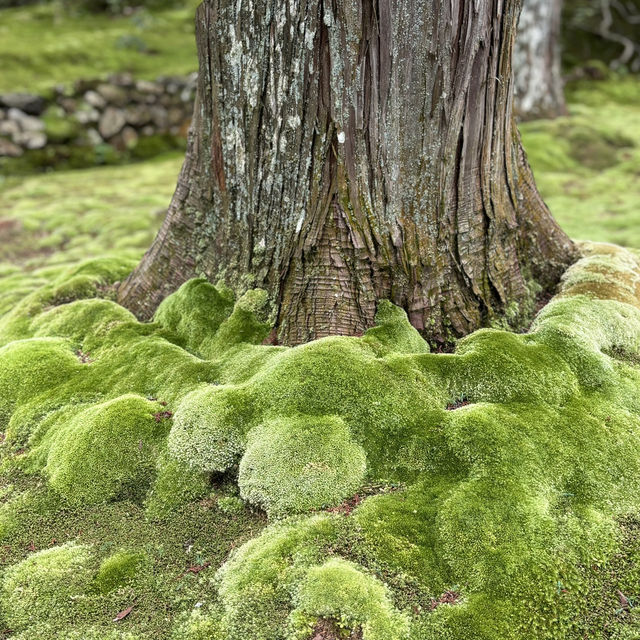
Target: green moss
(44, 45)
(175, 485)
(293, 465)
(494, 473)
(30, 367)
(47, 587)
(393, 333)
(338, 589)
(105, 452)
(248, 324)
(58, 126)
(209, 428)
(195, 312)
(118, 570)
(230, 505)
(257, 584)
(585, 164)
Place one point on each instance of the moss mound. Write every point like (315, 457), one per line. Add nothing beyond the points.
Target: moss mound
(46, 588)
(338, 589)
(491, 493)
(293, 465)
(107, 451)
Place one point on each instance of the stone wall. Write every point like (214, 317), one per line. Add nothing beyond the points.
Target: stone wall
(117, 118)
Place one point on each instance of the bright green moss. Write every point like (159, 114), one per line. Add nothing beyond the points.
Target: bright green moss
(48, 587)
(195, 312)
(81, 321)
(393, 333)
(258, 583)
(497, 472)
(248, 324)
(176, 484)
(338, 589)
(294, 465)
(30, 367)
(107, 451)
(208, 430)
(118, 570)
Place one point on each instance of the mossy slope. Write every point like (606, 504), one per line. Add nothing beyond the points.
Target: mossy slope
(481, 494)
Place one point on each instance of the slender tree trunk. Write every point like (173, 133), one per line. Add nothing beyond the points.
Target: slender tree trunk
(344, 151)
(536, 60)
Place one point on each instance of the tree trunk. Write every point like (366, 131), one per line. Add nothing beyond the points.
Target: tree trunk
(345, 151)
(536, 61)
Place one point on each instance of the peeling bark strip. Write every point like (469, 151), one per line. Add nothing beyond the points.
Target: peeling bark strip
(344, 151)
(536, 61)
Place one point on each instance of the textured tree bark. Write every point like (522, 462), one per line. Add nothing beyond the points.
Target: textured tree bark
(536, 61)
(345, 151)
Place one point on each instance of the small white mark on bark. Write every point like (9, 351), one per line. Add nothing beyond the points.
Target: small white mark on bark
(300, 221)
(341, 137)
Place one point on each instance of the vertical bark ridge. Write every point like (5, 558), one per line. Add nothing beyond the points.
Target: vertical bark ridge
(345, 151)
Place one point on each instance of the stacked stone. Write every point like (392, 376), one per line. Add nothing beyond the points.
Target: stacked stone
(117, 111)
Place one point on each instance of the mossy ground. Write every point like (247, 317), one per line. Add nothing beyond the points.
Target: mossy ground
(586, 164)
(489, 494)
(44, 45)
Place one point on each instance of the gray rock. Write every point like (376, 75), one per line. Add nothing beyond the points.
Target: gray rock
(116, 96)
(149, 87)
(31, 139)
(87, 115)
(9, 150)
(137, 115)
(148, 130)
(26, 122)
(27, 102)
(160, 117)
(176, 116)
(94, 99)
(68, 104)
(111, 122)
(122, 80)
(9, 128)
(129, 137)
(94, 137)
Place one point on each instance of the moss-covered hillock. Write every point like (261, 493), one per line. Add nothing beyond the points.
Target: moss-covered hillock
(489, 494)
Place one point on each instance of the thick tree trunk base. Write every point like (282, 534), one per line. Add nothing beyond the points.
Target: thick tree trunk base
(342, 153)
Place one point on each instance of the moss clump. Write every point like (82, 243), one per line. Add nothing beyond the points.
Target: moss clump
(338, 589)
(393, 333)
(107, 451)
(118, 570)
(29, 368)
(208, 430)
(48, 587)
(258, 583)
(293, 465)
(175, 485)
(195, 312)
